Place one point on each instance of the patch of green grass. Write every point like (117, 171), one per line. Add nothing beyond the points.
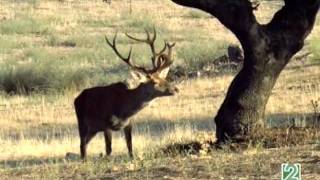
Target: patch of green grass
(54, 41)
(39, 54)
(89, 62)
(39, 77)
(96, 23)
(56, 76)
(196, 14)
(24, 25)
(198, 54)
(66, 57)
(9, 43)
(85, 41)
(138, 22)
(315, 48)
(84, 55)
(31, 2)
(26, 78)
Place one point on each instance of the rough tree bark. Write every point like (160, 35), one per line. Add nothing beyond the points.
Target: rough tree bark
(267, 50)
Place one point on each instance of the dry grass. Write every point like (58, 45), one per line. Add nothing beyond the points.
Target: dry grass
(38, 130)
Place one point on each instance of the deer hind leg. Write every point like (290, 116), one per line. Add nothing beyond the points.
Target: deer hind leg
(84, 140)
(82, 133)
(108, 140)
(128, 136)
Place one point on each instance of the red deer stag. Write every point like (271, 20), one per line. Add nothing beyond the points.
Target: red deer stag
(109, 108)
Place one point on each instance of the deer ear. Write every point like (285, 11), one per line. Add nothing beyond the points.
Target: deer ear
(138, 76)
(163, 74)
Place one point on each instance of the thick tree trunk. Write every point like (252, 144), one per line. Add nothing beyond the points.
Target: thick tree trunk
(244, 106)
(267, 50)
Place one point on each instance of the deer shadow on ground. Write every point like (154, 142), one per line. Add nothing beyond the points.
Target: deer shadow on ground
(60, 131)
(158, 128)
(46, 132)
(34, 161)
(154, 127)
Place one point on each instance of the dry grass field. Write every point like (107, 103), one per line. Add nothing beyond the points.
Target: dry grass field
(52, 49)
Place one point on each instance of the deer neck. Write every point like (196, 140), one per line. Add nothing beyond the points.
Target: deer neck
(137, 99)
(143, 94)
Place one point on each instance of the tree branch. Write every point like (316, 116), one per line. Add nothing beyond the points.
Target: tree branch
(291, 25)
(294, 11)
(236, 15)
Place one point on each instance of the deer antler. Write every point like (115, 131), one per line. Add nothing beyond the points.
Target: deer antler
(126, 60)
(165, 60)
(160, 60)
(150, 41)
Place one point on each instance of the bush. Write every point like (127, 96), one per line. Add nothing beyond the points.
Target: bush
(24, 78)
(39, 77)
(49, 76)
(196, 55)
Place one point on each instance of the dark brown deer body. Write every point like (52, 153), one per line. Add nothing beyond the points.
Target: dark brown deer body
(109, 108)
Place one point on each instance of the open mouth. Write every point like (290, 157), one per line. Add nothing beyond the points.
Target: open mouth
(174, 91)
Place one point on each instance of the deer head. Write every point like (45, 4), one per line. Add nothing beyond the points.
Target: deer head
(154, 78)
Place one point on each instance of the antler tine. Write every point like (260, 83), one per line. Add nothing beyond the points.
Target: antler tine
(137, 39)
(160, 60)
(163, 49)
(163, 63)
(114, 47)
(154, 37)
(150, 41)
(165, 60)
(170, 46)
(126, 60)
(154, 34)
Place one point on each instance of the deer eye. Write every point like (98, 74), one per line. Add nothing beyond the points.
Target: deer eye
(160, 87)
(148, 76)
